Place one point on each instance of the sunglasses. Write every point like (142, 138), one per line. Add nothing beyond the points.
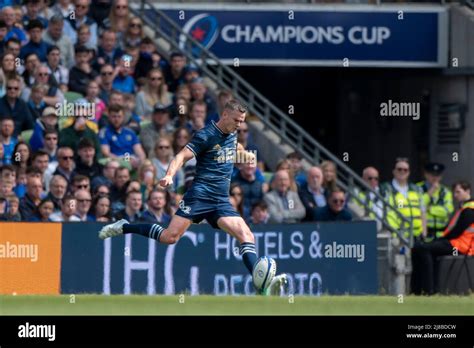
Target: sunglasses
(84, 200)
(405, 170)
(82, 186)
(135, 25)
(372, 178)
(243, 131)
(65, 158)
(10, 88)
(43, 74)
(107, 73)
(338, 201)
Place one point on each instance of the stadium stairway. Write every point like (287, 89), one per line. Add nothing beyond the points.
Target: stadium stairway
(278, 133)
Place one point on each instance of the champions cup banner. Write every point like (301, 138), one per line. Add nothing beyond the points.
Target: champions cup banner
(332, 258)
(362, 35)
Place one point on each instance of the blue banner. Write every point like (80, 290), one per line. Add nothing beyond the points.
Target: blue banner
(326, 258)
(318, 35)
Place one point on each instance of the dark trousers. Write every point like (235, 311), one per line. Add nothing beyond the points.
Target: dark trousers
(424, 261)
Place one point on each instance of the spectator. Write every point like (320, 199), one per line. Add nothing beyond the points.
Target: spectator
(68, 211)
(55, 37)
(259, 213)
(1, 154)
(57, 70)
(160, 126)
(284, 205)
(81, 73)
(252, 188)
(21, 155)
(51, 145)
(199, 93)
(330, 175)
(456, 237)
(31, 63)
(106, 79)
(36, 102)
(162, 159)
(118, 20)
(109, 51)
(40, 160)
(284, 164)
(54, 95)
(156, 212)
(237, 200)
(101, 10)
(118, 188)
(408, 200)
(147, 176)
(13, 47)
(243, 137)
(223, 97)
(44, 209)
(29, 203)
(118, 141)
(80, 182)
(154, 92)
(7, 173)
(63, 8)
(21, 180)
(13, 209)
(438, 200)
(84, 202)
(7, 128)
(123, 80)
(296, 165)
(72, 24)
(174, 72)
(14, 30)
(181, 113)
(36, 44)
(181, 137)
(312, 194)
(47, 121)
(101, 190)
(108, 174)
(133, 206)
(335, 209)
(6, 188)
(100, 210)
(3, 209)
(375, 206)
(134, 34)
(58, 189)
(44, 10)
(32, 14)
(12, 106)
(65, 163)
(3, 33)
(7, 71)
(87, 164)
(84, 38)
(197, 115)
(148, 59)
(72, 135)
(91, 98)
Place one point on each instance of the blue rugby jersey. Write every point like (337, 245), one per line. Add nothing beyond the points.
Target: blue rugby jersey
(215, 154)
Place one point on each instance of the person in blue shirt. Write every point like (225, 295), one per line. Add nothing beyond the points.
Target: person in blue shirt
(32, 13)
(7, 128)
(156, 211)
(215, 148)
(118, 141)
(123, 81)
(335, 209)
(43, 211)
(36, 44)
(14, 30)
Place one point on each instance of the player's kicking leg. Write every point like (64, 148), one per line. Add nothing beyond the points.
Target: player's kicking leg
(170, 235)
(237, 228)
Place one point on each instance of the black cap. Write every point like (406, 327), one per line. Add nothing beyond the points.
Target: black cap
(434, 168)
(161, 107)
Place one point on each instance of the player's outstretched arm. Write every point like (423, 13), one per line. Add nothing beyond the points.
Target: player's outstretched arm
(178, 161)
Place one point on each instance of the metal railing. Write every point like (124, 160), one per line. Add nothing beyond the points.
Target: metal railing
(271, 117)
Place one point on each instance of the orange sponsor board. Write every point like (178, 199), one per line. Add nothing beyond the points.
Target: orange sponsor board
(30, 258)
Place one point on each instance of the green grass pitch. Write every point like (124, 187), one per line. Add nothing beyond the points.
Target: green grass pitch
(234, 305)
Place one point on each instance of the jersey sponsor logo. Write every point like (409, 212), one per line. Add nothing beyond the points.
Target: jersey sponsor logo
(184, 208)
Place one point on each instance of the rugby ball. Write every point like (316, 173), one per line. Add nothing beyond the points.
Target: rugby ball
(263, 272)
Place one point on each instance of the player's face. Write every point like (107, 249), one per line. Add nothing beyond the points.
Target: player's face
(237, 118)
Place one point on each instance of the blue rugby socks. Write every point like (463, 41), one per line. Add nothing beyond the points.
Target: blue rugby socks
(152, 231)
(249, 255)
